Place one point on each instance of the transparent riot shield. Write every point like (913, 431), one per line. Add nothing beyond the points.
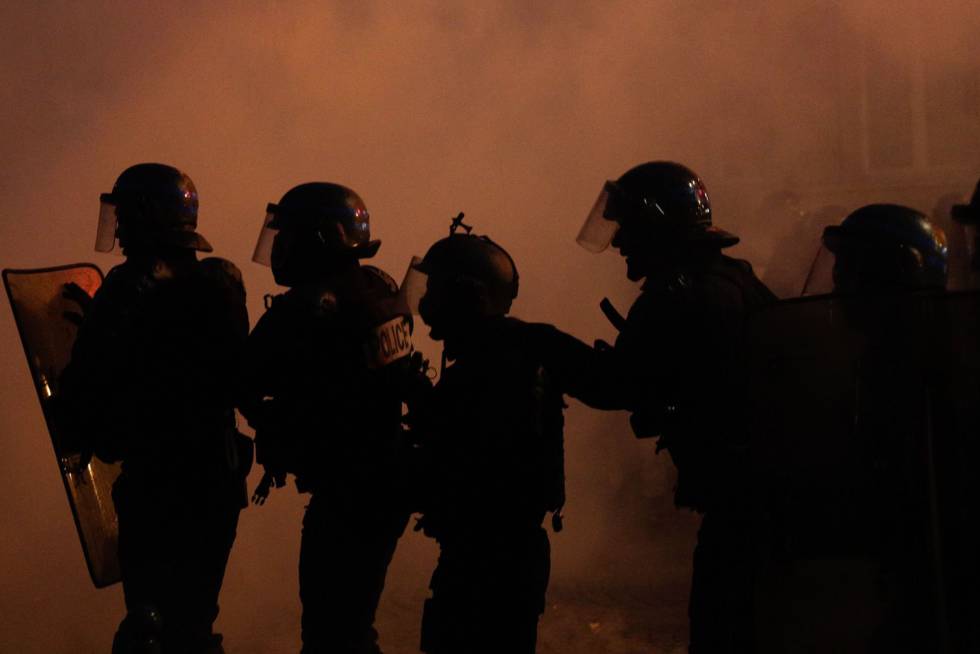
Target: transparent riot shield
(861, 412)
(954, 449)
(39, 310)
(820, 277)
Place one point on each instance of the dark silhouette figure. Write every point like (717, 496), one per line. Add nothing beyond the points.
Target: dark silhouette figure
(674, 366)
(150, 384)
(320, 387)
(491, 441)
(914, 423)
(864, 410)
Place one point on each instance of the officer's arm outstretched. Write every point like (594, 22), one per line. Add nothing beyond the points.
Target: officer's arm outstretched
(597, 376)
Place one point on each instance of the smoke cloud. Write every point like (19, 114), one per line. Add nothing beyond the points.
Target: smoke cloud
(514, 112)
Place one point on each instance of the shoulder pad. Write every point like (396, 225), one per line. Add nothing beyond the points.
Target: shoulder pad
(123, 276)
(319, 304)
(739, 273)
(120, 271)
(378, 280)
(218, 267)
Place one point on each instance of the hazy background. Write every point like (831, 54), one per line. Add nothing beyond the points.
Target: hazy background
(514, 112)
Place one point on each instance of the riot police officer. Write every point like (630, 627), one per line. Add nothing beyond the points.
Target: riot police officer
(150, 384)
(673, 366)
(492, 446)
(321, 392)
(910, 428)
(868, 399)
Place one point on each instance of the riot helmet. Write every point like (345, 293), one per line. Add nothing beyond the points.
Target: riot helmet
(887, 247)
(660, 202)
(315, 229)
(466, 277)
(151, 206)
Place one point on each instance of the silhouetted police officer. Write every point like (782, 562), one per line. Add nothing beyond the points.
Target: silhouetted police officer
(673, 365)
(493, 467)
(890, 271)
(150, 384)
(323, 398)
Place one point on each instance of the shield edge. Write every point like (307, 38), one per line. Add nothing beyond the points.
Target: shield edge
(40, 398)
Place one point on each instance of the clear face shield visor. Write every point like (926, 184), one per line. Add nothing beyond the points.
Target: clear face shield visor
(600, 227)
(413, 287)
(971, 236)
(105, 237)
(820, 276)
(263, 247)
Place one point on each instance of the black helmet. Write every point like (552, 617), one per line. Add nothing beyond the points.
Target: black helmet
(670, 200)
(150, 204)
(887, 246)
(332, 214)
(476, 260)
(968, 214)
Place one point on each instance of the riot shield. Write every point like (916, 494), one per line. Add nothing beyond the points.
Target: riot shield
(954, 451)
(862, 413)
(47, 336)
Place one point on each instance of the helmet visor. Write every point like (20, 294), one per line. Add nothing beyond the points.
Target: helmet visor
(820, 278)
(105, 237)
(598, 231)
(263, 247)
(971, 237)
(413, 286)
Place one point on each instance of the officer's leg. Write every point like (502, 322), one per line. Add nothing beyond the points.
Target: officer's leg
(721, 606)
(141, 630)
(487, 597)
(344, 557)
(444, 615)
(370, 548)
(521, 601)
(201, 545)
(314, 577)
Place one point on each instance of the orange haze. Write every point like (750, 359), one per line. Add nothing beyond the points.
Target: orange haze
(514, 112)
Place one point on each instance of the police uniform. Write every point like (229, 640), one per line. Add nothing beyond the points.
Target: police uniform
(325, 409)
(494, 467)
(674, 367)
(149, 385)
